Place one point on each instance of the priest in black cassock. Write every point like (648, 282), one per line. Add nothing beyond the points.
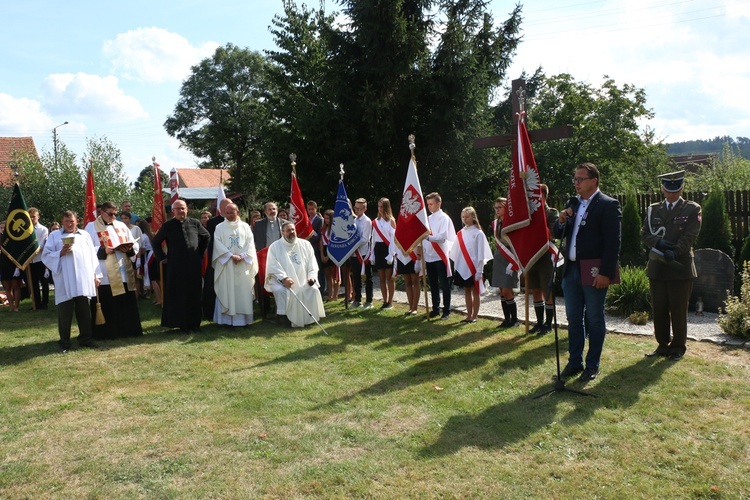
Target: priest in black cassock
(186, 242)
(209, 294)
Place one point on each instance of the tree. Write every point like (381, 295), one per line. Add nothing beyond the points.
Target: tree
(716, 231)
(353, 94)
(221, 115)
(110, 182)
(608, 132)
(631, 252)
(52, 184)
(142, 195)
(730, 172)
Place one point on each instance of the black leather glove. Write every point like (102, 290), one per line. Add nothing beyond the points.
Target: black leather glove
(663, 245)
(669, 255)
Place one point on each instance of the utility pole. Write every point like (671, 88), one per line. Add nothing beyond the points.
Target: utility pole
(54, 139)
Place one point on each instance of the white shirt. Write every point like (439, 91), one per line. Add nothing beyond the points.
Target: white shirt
(75, 272)
(583, 205)
(42, 233)
(443, 233)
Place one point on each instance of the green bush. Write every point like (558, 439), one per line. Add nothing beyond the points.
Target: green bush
(716, 231)
(632, 251)
(734, 317)
(631, 295)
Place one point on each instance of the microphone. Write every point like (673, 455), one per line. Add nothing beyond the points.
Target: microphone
(573, 203)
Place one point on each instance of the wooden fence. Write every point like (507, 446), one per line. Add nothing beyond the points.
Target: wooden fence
(738, 209)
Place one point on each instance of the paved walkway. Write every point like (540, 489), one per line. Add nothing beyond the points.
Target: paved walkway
(700, 328)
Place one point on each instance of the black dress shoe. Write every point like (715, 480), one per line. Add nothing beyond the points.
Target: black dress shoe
(434, 314)
(570, 370)
(445, 316)
(657, 353)
(675, 356)
(89, 345)
(63, 350)
(588, 374)
(544, 330)
(536, 328)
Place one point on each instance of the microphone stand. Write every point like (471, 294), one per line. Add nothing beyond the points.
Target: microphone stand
(559, 385)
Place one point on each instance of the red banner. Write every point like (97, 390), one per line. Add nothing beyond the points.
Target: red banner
(525, 221)
(89, 205)
(158, 216)
(298, 212)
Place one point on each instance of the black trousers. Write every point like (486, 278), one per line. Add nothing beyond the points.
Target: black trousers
(37, 280)
(437, 276)
(357, 280)
(669, 303)
(65, 310)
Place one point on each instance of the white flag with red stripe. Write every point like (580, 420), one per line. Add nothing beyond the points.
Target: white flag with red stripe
(525, 222)
(298, 212)
(412, 225)
(220, 196)
(174, 186)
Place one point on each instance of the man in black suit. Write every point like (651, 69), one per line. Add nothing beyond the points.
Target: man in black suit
(268, 229)
(591, 225)
(208, 298)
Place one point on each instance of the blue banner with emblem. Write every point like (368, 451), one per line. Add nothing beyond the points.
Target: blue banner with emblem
(19, 241)
(345, 234)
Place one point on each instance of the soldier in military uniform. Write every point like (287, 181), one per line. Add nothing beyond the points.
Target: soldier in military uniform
(669, 231)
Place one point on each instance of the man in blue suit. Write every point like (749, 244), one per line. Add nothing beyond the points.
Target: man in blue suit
(591, 225)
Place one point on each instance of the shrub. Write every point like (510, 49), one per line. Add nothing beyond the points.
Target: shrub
(639, 318)
(632, 251)
(716, 231)
(734, 317)
(632, 294)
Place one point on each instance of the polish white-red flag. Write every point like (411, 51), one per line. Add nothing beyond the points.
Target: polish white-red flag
(174, 186)
(220, 196)
(298, 212)
(158, 215)
(412, 225)
(525, 221)
(89, 204)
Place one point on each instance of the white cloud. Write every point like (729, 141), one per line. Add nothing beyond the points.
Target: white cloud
(155, 55)
(22, 116)
(87, 95)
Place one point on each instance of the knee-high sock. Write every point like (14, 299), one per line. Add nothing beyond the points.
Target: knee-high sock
(539, 310)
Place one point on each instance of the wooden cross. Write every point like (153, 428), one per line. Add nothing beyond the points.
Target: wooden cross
(518, 96)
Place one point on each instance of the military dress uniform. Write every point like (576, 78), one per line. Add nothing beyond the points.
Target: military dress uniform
(669, 233)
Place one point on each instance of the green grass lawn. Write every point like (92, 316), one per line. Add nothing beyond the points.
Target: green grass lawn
(383, 407)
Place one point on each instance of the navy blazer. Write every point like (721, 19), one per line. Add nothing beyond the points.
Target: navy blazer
(599, 237)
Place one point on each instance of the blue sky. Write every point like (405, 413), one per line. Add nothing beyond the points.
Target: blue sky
(115, 69)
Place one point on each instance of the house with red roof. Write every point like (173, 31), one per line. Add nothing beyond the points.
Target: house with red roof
(9, 148)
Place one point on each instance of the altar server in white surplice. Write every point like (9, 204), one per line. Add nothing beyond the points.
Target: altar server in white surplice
(291, 265)
(235, 265)
(70, 256)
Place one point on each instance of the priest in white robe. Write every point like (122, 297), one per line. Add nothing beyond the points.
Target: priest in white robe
(291, 266)
(235, 265)
(70, 256)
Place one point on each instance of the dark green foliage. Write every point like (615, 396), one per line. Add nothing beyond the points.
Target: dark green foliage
(745, 253)
(222, 117)
(631, 295)
(715, 145)
(632, 251)
(716, 231)
(608, 132)
(735, 315)
(352, 95)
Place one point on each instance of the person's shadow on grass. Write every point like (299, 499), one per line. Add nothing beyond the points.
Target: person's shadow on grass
(510, 422)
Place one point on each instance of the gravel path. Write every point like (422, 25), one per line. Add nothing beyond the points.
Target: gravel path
(700, 328)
